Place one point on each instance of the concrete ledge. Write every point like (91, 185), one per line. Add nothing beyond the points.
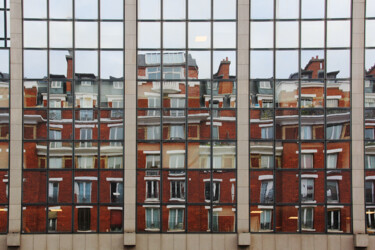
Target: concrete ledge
(243, 239)
(14, 239)
(130, 239)
(360, 240)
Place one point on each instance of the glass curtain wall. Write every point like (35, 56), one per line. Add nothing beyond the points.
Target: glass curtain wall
(4, 112)
(300, 82)
(73, 120)
(186, 116)
(369, 94)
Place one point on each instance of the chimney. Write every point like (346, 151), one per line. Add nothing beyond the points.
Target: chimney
(69, 73)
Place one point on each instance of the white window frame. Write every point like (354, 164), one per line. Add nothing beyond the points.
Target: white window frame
(85, 162)
(266, 161)
(177, 161)
(369, 160)
(179, 190)
(336, 132)
(84, 185)
(177, 103)
(177, 223)
(264, 85)
(51, 189)
(332, 103)
(337, 190)
(153, 132)
(304, 214)
(305, 159)
(269, 188)
(306, 132)
(266, 216)
(333, 156)
(306, 186)
(215, 191)
(331, 222)
(154, 218)
(113, 161)
(56, 84)
(154, 192)
(118, 85)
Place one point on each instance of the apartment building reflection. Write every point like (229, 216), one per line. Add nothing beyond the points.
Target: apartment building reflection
(300, 152)
(370, 149)
(186, 136)
(66, 133)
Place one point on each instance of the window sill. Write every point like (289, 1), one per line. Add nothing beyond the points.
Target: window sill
(176, 230)
(152, 200)
(177, 199)
(152, 229)
(334, 231)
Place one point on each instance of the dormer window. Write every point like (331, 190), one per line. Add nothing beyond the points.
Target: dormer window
(86, 83)
(264, 85)
(118, 85)
(56, 84)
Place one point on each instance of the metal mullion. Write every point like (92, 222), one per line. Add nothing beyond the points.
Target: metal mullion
(5, 24)
(299, 119)
(48, 118)
(98, 106)
(274, 116)
(74, 114)
(210, 112)
(186, 190)
(161, 119)
(325, 118)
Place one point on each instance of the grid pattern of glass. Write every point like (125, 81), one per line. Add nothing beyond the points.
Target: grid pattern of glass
(186, 116)
(369, 128)
(4, 113)
(300, 82)
(73, 122)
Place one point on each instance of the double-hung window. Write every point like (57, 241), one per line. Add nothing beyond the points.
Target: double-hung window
(266, 219)
(332, 103)
(370, 162)
(215, 191)
(306, 132)
(152, 218)
(178, 190)
(117, 192)
(85, 162)
(56, 84)
(266, 161)
(307, 161)
(86, 115)
(177, 103)
(116, 133)
(267, 132)
(85, 134)
(153, 132)
(333, 220)
(84, 191)
(153, 103)
(369, 133)
(307, 190)
(176, 219)
(176, 161)
(55, 114)
(369, 187)
(332, 161)
(266, 191)
(53, 192)
(332, 191)
(152, 162)
(55, 162)
(334, 132)
(177, 132)
(114, 162)
(307, 218)
(55, 135)
(152, 189)
(153, 72)
(118, 85)
(215, 221)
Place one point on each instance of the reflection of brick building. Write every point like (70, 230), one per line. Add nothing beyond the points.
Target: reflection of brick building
(204, 108)
(58, 139)
(292, 142)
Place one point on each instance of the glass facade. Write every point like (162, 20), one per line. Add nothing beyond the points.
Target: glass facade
(4, 113)
(186, 116)
(187, 65)
(73, 118)
(300, 90)
(369, 104)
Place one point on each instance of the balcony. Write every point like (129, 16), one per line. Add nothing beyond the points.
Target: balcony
(168, 87)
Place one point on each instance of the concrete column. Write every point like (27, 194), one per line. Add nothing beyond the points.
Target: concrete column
(130, 143)
(15, 180)
(357, 116)
(243, 117)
